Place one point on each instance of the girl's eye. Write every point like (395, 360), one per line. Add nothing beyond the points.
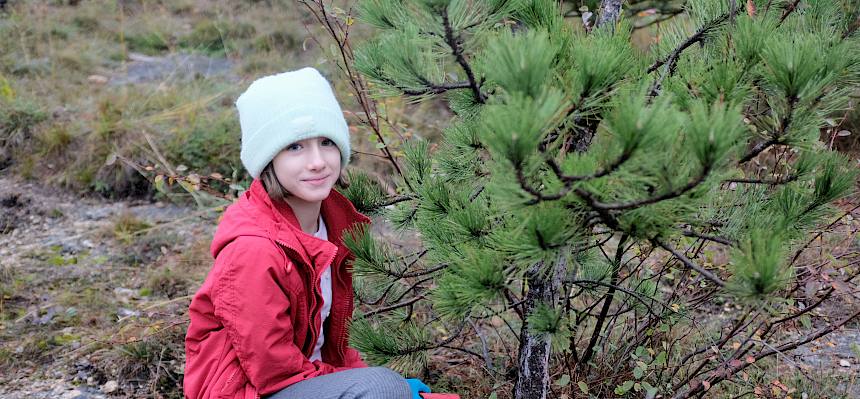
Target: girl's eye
(293, 147)
(327, 142)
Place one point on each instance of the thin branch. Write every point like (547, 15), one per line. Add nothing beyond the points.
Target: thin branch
(788, 10)
(607, 302)
(395, 306)
(720, 375)
(688, 262)
(453, 41)
(758, 149)
(671, 61)
(721, 240)
(359, 86)
(770, 182)
(647, 201)
(395, 200)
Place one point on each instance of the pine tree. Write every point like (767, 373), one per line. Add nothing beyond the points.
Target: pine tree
(573, 157)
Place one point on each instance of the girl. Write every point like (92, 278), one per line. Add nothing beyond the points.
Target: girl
(272, 316)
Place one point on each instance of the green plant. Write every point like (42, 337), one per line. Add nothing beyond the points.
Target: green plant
(580, 180)
(127, 226)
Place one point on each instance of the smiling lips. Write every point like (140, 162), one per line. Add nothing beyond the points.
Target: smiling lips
(316, 182)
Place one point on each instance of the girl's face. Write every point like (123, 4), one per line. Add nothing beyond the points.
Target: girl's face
(308, 168)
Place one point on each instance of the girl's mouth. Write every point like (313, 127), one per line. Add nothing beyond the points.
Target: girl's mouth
(316, 182)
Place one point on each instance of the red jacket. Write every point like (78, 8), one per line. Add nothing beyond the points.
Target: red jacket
(255, 320)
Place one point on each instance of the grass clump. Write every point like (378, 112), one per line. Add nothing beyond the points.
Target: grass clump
(209, 145)
(217, 37)
(151, 366)
(127, 226)
(18, 121)
(166, 282)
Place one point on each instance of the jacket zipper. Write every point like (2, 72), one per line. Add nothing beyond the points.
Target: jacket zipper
(316, 312)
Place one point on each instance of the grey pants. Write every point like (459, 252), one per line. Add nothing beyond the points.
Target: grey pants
(361, 383)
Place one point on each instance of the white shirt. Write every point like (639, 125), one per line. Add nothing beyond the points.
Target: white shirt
(325, 286)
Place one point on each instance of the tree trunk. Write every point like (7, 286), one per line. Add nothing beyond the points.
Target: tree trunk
(533, 373)
(610, 11)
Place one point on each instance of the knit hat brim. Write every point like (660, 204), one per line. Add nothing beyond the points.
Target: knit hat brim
(290, 127)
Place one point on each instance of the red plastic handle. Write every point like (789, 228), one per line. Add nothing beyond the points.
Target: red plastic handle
(439, 395)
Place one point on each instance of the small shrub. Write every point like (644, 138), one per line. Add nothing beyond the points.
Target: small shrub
(150, 43)
(165, 282)
(86, 22)
(209, 146)
(279, 41)
(126, 226)
(54, 140)
(152, 365)
(216, 37)
(18, 119)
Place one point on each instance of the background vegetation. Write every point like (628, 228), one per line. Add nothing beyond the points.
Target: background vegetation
(102, 97)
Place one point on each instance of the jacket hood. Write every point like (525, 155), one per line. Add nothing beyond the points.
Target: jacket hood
(254, 214)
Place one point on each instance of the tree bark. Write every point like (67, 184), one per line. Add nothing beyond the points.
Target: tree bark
(534, 351)
(610, 11)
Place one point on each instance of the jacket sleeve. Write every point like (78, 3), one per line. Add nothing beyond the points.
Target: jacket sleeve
(255, 312)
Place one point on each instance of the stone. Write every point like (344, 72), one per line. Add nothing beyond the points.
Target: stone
(844, 363)
(97, 79)
(74, 394)
(110, 386)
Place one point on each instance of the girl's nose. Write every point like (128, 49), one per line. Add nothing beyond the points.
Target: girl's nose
(315, 157)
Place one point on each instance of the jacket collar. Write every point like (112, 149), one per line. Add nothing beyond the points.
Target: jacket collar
(337, 211)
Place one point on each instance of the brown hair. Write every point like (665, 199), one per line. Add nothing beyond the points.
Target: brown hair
(277, 192)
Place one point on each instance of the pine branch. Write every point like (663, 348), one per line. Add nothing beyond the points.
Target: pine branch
(758, 149)
(688, 262)
(778, 137)
(851, 29)
(432, 88)
(671, 61)
(395, 306)
(662, 18)
(788, 10)
(396, 200)
(454, 42)
(612, 167)
(647, 201)
(515, 304)
(771, 182)
(721, 240)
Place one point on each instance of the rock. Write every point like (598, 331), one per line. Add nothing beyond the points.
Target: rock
(70, 248)
(123, 312)
(97, 213)
(110, 386)
(844, 363)
(74, 394)
(97, 79)
(124, 294)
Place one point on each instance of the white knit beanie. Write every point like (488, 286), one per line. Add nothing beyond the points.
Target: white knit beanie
(279, 110)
